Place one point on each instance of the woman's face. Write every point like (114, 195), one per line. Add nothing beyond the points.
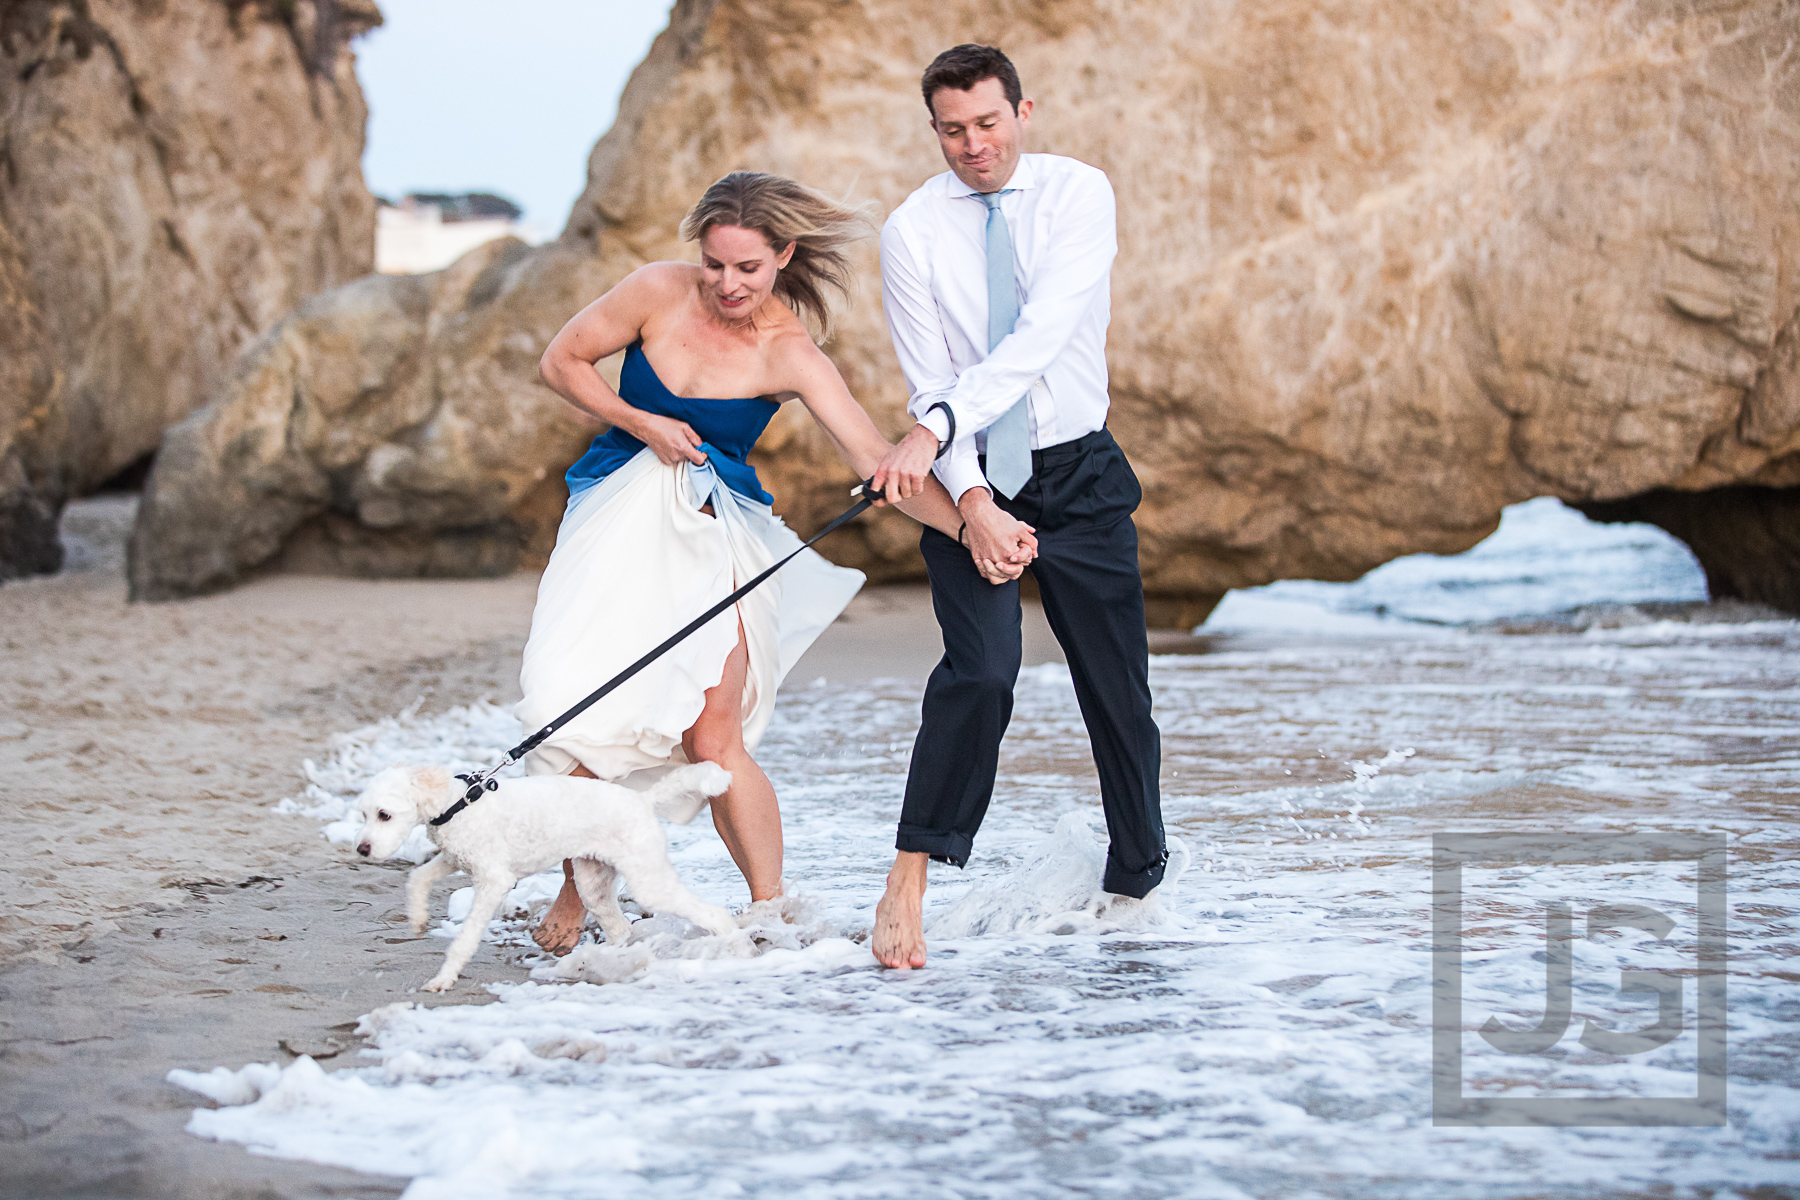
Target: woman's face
(738, 266)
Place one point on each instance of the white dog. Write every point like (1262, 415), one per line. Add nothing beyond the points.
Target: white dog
(531, 825)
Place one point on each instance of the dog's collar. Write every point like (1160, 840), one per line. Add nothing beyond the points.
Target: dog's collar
(477, 785)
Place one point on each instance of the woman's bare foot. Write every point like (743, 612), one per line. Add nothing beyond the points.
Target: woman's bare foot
(561, 927)
(563, 921)
(899, 937)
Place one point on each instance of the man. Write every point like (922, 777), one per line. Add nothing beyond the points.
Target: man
(995, 278)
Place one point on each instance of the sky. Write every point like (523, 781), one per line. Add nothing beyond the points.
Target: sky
(485, 96)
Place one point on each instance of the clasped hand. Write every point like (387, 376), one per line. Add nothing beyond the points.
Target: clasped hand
(1001, 544)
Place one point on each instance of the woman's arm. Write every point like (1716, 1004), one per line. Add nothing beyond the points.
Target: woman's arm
(607, 326)
(817, 382)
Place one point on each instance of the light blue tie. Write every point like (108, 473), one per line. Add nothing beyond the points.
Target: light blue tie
(1009, 437)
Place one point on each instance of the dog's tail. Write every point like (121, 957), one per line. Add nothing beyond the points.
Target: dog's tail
(680, 795)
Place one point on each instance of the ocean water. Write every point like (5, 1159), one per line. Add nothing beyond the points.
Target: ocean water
(1544, 558)
(1262, 1027)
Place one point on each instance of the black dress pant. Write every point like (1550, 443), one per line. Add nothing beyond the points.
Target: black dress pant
(1079, 499)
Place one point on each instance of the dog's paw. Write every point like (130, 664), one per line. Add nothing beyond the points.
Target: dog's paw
(440, 983)
(418, 927)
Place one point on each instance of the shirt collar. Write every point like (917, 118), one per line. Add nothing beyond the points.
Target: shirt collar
(1023, 176)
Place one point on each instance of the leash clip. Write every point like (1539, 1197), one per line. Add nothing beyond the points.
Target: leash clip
(479, 782)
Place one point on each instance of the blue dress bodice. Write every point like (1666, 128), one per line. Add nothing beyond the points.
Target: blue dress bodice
(727, 429)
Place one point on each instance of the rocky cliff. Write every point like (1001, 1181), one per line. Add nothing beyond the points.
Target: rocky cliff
(174, 177)
(1385, 267)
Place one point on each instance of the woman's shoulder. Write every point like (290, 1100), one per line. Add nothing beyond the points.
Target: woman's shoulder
(660, 279)
(649, 294)
(797, 359)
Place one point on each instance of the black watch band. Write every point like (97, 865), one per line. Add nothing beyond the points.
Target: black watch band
(950, 416)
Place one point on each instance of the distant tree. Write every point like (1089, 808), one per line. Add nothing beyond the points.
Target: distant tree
(486, 204)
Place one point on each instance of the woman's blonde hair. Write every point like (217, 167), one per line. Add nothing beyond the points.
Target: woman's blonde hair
(785, 213)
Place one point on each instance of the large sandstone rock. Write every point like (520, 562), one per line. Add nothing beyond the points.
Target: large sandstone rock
(1386, 266)
(174, 176)
(30, 485)
(388, 427)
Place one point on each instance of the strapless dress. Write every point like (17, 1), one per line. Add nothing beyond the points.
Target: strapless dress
(636, 559)
(728, 429)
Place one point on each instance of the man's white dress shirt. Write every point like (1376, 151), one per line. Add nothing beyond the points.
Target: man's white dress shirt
(934, 290)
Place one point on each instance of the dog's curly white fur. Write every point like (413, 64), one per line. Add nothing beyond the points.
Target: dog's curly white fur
(531, 825)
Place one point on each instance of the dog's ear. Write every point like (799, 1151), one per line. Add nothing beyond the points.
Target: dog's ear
(432, 789)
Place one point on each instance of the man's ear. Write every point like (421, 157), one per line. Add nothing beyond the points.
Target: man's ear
(1025, 107)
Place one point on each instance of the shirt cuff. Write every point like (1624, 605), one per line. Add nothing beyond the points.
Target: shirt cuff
(959, 474)
(938, 422)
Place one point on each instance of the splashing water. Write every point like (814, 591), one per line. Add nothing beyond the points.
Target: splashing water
(1057, 890)
(1262, 1028)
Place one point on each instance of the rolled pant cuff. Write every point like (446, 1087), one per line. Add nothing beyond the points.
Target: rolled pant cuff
(952, 848)
(1136, 884)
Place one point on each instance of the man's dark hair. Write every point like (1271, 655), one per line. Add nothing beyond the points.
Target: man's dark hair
(962, 67)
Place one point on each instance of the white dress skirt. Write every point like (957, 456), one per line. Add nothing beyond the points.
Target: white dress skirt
(635, 560)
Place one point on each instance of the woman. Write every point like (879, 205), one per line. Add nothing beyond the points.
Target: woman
(665, 517)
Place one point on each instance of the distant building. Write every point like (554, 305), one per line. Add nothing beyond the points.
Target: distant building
(427, 231)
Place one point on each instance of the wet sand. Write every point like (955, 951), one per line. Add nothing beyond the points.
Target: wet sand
(156, 911)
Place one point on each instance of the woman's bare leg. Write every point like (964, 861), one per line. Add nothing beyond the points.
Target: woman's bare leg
(563, 920)
(747, 816)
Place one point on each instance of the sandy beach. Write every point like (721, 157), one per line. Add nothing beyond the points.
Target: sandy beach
(155, 904)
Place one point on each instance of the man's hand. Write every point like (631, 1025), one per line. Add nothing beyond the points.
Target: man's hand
(901, 474)
(998, 573)
(1000, 543)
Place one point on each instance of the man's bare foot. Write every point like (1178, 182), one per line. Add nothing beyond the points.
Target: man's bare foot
(561, 927)
(899, 937)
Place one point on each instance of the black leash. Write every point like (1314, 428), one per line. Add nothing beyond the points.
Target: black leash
(482, 781)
